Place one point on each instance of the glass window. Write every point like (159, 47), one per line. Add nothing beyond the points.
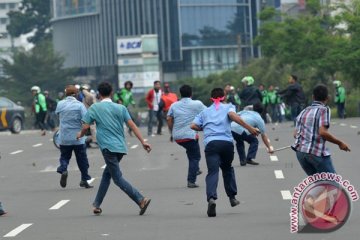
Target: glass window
(3, 35)
(2, 5)
(12, 5)
(65, 8)
(4, 103)
(214, 25)
(3, 20)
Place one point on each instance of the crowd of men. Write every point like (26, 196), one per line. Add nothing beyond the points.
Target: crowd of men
(232, 117)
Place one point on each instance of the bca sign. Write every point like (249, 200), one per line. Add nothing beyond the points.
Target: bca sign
(129, 45)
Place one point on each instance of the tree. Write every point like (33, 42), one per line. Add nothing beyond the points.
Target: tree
(33, 15)
(40, 66)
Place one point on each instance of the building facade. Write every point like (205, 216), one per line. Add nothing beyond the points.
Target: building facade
(196, 37)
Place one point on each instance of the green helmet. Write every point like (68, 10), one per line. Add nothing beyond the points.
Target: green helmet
(337, 83)
(249, 79)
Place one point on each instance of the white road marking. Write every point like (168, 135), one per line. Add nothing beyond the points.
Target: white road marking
(18, 230)
(103, 167)
(49, 169)
(343, 124)
(274, 158)
(352, 126)
(286, 194)
(145, 139)
(134, 146)
(279, 174)
(37, 145)
(59, 205)
(50, 140)
(16, 152)
(91, 180)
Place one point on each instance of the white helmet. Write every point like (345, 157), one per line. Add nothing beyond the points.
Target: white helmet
(36, 89)
(86, 87)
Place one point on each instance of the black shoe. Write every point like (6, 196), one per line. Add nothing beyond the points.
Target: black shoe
(85, 184)
(242, 163)
(199, 172)
(251, 162)
(192, 185)
(2, 212)
(63, 179)
(211, 212)
(234, 202)
(144, 205)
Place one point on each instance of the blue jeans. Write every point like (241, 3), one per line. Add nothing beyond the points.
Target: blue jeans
(220, 154)
(253, 146)
(341, 110)
(313, 164)
(159, 117)
(193, 153)
(81, 159)
(295, 109)
(112, 171)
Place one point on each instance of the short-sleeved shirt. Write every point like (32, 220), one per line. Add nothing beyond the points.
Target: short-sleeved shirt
(70, 111)
(183, 112)
(109, 118)
(215, 123)
(308, 123)
(252, 118)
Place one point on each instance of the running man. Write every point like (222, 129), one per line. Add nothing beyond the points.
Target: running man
(179, 118)
(311, 134)
(2, 211)
(110, 118)
(71, 111)
(241, 135)
(215, 121)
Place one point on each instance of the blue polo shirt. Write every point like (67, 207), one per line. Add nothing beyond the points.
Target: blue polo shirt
(252, 118)
(216, 124)
(183, 112)
(70, 111)
(109, 118)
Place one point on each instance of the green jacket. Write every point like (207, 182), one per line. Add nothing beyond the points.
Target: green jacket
(340, 95)
(273, 97)
(126, 97)
(265, 97)
(40, 103)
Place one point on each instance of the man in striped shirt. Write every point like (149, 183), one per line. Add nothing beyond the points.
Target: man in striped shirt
(311, 133)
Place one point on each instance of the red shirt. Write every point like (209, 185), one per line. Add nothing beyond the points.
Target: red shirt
(168, 98)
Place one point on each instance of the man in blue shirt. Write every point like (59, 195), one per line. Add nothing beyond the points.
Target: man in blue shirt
(179, 118)
(71, 111)
(215, 121)
(241, 135)
(110, 118)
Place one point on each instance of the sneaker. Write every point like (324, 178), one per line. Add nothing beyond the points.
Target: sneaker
(85, 184)
(97, 211)
(63, 179)
(251, 162)
(192, 185)
(234, 202)
(143, 205)
(199, 172)
(211, 212)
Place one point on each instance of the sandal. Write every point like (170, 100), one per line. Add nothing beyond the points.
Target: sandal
(97, 211)
(143, 205)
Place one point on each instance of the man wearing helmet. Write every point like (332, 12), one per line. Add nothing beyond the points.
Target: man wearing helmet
(340, 97)
(40, 108)
(250, 95)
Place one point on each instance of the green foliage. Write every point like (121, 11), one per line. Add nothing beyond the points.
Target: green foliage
(32, 15)
(41, 66)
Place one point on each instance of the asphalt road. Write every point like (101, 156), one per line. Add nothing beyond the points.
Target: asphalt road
(29, 187)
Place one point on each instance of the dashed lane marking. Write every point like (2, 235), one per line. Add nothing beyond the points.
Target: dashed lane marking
(145, 139)
(37, 145)
(91, 180)
(134, 146)
(286, 194)
(59, 205)
(274, 158)
(279, 174)
(16, 152)
(343, 124)
(18, 230)
(352, 126)
(103, 167)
